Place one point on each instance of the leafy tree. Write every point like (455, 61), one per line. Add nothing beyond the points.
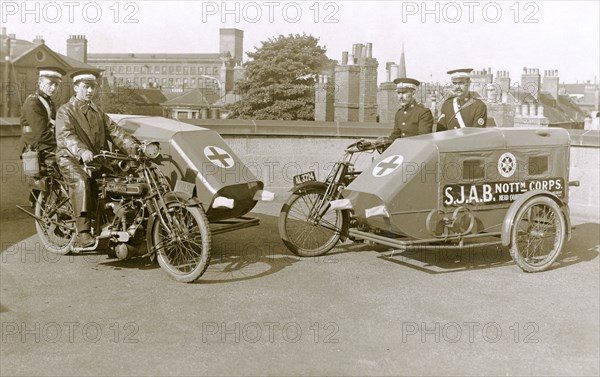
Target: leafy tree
(280, 79)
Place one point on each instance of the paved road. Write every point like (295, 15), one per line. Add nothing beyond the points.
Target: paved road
(260, 310)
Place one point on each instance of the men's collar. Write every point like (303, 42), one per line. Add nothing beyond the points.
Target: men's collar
(84, 105)
(409, 104)
(42, 94)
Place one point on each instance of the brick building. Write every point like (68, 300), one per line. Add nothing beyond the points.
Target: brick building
(170, 72)
(19, 60)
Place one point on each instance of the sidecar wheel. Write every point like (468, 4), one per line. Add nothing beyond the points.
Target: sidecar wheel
(538, 234)
(182, 250)
(56, 228)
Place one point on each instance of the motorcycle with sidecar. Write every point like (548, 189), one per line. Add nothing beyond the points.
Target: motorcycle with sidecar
(183, 186)
(447, 190)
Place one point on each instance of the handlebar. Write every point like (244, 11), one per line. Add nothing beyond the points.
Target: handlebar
(363, 145)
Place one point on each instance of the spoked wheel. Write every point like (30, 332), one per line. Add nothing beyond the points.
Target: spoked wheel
(56, 227)
(183, 242)
(306, 226)
(538, 234)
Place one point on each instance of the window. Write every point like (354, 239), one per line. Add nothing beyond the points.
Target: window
(157, 69)
(537, 165)
(473, 169)
(215, 70)
(121, 69)
(178, 70)
(194, 83)
(192, 70)
(186, 70)
(164, 69)
(128, 69)
(200, 70)
(136, 69)
(163, 81)
(171, 69)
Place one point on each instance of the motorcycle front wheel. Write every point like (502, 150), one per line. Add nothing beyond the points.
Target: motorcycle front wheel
(55, 223)
(182, 242)
(307, 227)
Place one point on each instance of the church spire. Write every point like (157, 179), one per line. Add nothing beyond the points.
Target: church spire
(402, 68)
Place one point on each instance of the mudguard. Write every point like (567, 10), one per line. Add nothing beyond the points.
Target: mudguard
(509, 217)
(169, 197)
(322, 186)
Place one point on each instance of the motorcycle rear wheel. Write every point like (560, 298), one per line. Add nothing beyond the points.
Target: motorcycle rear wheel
(182, 250)
(56, 227)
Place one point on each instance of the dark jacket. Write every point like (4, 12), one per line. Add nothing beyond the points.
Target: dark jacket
(412, 120)
(75, 134)
(37, 124)
(82, 126)
(472, 110)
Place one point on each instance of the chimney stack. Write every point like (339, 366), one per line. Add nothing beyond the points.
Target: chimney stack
(530, 81)
(39, 40)
(550, 83)
(77, 48)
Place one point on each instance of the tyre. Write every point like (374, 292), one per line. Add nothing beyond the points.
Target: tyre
(56, 224)
(306, 227)
(538, 234)
(183, 242)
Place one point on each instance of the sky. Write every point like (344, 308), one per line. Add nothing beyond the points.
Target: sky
(437, 35)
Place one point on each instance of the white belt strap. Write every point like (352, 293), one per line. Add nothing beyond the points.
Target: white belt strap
(47, 106)
(459, 118)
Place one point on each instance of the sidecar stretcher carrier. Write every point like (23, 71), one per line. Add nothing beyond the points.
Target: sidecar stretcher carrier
(439, 190)
(205, 167)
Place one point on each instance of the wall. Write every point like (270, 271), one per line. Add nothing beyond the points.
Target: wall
(275, 151)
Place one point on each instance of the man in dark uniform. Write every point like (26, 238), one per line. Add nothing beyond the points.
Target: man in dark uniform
(38, 113)
(82, 131)
(412, 118)
(462, 110)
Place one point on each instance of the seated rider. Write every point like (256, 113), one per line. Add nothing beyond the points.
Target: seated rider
(82, 131)
(38, 114)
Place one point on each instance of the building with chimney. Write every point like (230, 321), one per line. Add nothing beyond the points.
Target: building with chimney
(19, 60)
(386, 97)
(174, 72)
(350, 93)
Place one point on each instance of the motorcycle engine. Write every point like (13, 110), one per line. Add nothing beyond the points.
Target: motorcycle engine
(118, 186)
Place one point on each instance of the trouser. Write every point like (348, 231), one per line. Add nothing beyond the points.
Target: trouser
(79, 184)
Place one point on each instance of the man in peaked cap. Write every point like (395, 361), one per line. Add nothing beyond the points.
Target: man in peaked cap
(38, 113)
(462, 110)
(82, 131)
(412, 118)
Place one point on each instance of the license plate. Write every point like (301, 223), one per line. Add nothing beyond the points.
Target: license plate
(304, 177)
(184, 188)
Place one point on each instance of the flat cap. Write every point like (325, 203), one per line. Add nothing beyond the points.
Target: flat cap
(460, 73)
(84, 75)
(406, 83)
(51, 72)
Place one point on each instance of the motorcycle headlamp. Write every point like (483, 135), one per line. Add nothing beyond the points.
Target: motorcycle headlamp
(151, 150)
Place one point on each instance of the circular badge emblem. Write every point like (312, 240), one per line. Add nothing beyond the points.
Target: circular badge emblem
(480, 121)
(387, 165)
(219, 156)
(507, 164)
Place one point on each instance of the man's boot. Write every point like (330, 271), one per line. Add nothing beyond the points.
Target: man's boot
(84, 237)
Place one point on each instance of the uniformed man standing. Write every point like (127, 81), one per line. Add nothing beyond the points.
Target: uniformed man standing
(462, 110)
(82, 131)
(38, 113)
(412, 118)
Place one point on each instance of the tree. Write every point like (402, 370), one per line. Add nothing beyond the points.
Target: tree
(280, 79)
